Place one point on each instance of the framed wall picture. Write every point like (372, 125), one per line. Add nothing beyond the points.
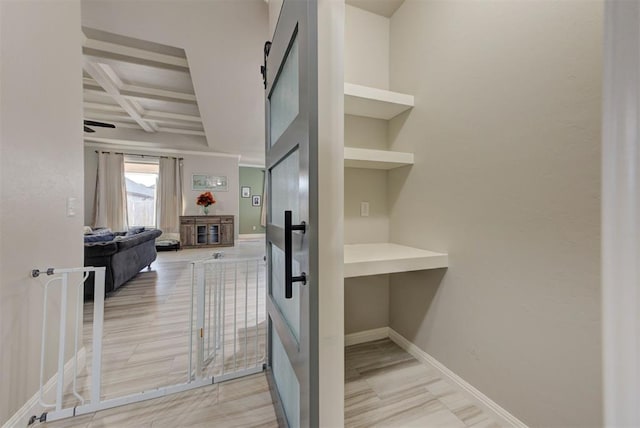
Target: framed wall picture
(246, 191)
(209, 182)
(256, 200)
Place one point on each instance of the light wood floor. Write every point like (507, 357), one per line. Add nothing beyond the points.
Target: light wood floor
(387, 387)
(146, 343)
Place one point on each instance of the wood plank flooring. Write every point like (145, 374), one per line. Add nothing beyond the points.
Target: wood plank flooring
(146, 344)
(387, 387)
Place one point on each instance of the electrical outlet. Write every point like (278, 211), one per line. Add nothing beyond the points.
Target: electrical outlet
(364, 209)
(254, 228)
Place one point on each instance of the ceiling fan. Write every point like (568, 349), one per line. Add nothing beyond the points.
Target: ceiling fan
(88, 123)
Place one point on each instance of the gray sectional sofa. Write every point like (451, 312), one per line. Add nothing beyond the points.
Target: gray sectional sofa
(124, 256)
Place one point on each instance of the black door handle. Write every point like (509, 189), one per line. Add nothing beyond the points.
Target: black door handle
(289, 279)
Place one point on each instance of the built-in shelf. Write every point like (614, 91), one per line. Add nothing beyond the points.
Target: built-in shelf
(376, 259)
(375, 159)
(372, 102)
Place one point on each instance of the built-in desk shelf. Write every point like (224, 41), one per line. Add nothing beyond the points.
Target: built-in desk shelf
(373, 102)
(375, 159)
(376, 259)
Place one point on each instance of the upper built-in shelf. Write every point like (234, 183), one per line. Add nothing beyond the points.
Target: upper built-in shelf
(375, 159)
(376, 259)
(372, 102)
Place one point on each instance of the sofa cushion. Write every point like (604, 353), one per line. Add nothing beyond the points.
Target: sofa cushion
(134, 240)
(98, 238)
(99, 249)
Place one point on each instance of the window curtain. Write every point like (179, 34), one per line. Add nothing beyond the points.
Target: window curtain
(169, 197)
(111, 192)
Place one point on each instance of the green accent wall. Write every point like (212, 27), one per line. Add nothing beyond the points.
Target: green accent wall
(249, 216)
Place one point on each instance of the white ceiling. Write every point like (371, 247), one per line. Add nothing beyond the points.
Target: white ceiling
(183, 59)
(217, 43)
(380, 7)
(137, 84)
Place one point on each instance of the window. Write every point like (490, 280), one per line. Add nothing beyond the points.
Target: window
(141, 177)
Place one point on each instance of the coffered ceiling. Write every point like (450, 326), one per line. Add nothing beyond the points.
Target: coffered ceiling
(138, 85)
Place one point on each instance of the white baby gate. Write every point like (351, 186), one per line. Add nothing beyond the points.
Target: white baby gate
(226, 322)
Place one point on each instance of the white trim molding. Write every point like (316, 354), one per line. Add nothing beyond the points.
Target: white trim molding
(32, 407)
(620, 214)
(156, 151)
(503, 416)
(366, 336)
(251, 236)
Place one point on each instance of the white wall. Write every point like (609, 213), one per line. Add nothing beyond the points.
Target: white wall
(366, 298)
(223, 41)
(366, 58)
(226, 202)
(274, 14)
(506, 135)
(40, 167)
(366, 48)
(90, 177)
(330, 268)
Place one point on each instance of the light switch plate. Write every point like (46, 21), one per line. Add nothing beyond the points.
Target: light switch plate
(71, 206)
(364, 209)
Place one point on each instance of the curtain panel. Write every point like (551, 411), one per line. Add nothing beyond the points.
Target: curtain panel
(111, 192)
(169, 197)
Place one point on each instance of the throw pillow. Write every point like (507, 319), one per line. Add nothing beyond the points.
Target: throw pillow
(102, 231)
(99, 238)
(87, 229)
(135, 230)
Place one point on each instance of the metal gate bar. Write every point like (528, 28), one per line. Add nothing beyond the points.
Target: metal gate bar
(226, 288)
(215, 285)
(62, 276)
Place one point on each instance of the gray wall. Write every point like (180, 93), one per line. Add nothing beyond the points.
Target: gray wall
(249, 217)
(366, 303)
(506, 136)
(366, 40)
(40, 168)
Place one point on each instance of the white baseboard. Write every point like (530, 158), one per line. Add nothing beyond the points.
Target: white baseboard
(366, 336)
(251, 236)
(503, 416)
(20, 419)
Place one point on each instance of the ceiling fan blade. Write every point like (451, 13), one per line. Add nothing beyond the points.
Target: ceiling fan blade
(87, 129)
(102, 124)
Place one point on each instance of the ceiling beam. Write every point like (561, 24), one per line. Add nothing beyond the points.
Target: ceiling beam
(100, 92)
(104, 75)
(118, 124)
(103, 107)
(89, 82)
(192, 126)
(144, 92)
(181, 131)
(141, 112)
(109, 117)
(162, 115)
(156, 94)
(102, 49)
